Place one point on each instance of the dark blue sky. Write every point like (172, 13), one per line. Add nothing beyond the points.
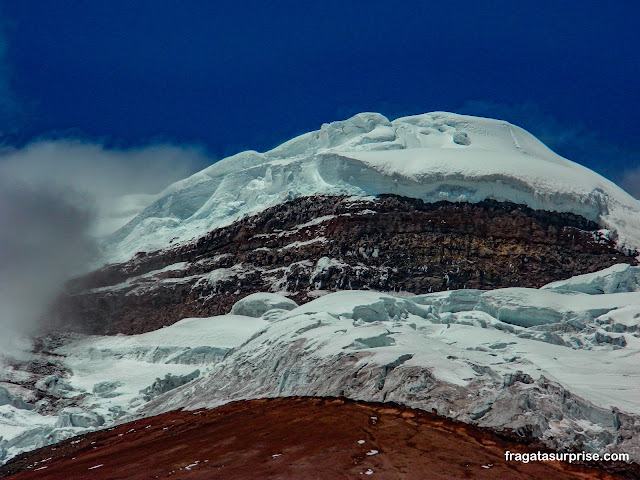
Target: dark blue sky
(252, 74)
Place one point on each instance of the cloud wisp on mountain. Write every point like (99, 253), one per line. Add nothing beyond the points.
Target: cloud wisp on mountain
(55, 198)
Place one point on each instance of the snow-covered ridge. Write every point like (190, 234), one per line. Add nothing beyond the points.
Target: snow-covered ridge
(435, 156)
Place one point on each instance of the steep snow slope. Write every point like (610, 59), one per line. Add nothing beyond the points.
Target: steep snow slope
(435, 156)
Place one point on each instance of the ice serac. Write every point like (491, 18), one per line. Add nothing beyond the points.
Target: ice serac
(551, 364)
(99, 379)
(616, 279)
(257, 304)
(435, 156)
(534, 362)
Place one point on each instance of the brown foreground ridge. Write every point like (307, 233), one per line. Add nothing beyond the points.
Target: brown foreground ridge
(294, 438)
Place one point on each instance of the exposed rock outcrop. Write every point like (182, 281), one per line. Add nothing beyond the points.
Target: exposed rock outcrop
(312, 245)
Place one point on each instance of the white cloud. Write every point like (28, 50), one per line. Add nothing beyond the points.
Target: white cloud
(118, 182)
(56, 195)
(53, 197)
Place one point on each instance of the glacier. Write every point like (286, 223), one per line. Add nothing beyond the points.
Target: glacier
(558, 363)
(435, 156)
(543, 363)
(106, 378)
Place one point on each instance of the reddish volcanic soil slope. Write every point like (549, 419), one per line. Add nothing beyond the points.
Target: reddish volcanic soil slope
(290, 438)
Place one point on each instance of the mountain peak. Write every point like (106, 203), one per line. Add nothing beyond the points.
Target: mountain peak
(433, 157)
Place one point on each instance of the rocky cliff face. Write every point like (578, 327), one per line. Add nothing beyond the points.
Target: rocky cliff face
(313, 245)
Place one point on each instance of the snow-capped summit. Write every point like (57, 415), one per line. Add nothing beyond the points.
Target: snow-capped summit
(435, 156)
(305, 280)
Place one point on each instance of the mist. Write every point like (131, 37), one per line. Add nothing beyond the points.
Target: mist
(43, 240)
(55, 199)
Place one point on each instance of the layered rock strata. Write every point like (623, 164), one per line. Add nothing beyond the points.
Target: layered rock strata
(312, 245)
